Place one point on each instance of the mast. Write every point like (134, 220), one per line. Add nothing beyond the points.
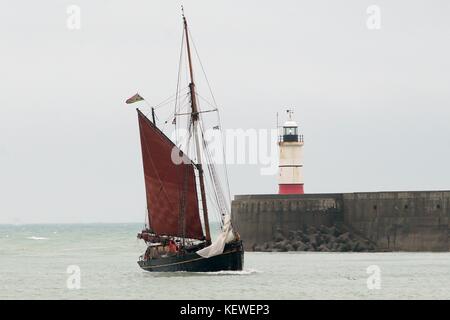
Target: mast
(153, 116)
(195, 119)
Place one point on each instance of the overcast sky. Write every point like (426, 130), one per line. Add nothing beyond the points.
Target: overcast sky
(373, 104)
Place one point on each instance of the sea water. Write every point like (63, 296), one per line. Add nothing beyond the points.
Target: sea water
(98, 261)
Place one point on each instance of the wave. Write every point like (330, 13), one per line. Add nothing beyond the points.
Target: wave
(37, 238)
(91, 248)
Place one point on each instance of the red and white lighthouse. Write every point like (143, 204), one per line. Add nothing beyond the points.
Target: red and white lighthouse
(290, 142)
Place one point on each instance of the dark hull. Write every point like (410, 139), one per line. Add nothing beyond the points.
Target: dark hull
(231, 259)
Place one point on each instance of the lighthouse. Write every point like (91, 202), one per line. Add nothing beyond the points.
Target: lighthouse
(290, 142)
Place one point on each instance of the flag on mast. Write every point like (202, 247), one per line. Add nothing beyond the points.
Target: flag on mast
(134, 99)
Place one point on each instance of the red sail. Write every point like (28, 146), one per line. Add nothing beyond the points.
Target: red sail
(165, 182)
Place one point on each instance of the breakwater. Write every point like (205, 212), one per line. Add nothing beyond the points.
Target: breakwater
(380, 221)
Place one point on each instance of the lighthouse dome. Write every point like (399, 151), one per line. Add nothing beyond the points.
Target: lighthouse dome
(290, 124)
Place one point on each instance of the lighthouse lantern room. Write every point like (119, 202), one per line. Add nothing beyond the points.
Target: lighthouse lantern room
(290, 142)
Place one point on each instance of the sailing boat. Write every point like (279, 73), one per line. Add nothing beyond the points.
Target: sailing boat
(175, 192)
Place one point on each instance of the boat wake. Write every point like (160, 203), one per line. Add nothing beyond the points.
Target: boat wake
(37, 238)
(231, 273)
(245, 272)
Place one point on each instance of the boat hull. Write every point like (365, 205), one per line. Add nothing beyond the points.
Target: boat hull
(231, 259)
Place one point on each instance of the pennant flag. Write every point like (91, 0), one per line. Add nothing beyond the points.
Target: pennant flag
(134, 99)
(174, 121)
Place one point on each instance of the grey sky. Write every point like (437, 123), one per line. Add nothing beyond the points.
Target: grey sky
(374, 105)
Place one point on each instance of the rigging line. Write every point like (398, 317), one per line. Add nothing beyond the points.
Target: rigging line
(169, 100)
(186, 143)
(214, 178)
(154, 108)
(165, 122)
(171, 116)
(217, 179)
(212, 187)
(179, 142)
(219, 191)
(172, 97)
(178, 81)
(222, 140)
(187, 72)
(215, 103)
(225, 201)
(210, 167)
(210, 161)
(214, 205)
(185, 103)
(213, 201)
(203, 69)
(188, 125)
(207, 148)
(218, 211)
(204, 99)
(163, 103)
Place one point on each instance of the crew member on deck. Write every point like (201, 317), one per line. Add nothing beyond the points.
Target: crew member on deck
(173, 248)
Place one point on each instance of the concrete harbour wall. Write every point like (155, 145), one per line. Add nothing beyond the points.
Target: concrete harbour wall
(406, 221)
(393, 221)
(258, 217)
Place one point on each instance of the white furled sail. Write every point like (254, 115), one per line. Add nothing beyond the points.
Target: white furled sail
(216, 248)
